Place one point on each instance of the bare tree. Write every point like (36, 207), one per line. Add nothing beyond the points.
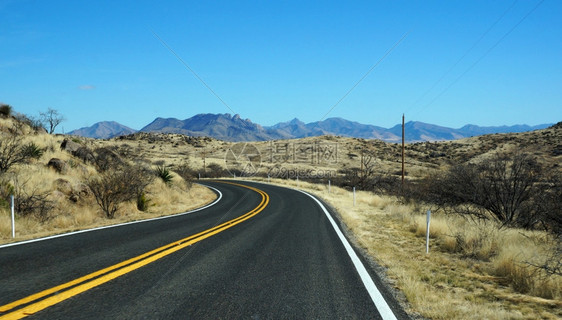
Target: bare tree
(51, 119)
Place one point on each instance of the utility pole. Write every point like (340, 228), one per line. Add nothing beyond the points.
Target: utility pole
(403, 152)
(204, 164)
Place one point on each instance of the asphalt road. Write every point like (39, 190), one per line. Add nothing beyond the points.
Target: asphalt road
(281, 259)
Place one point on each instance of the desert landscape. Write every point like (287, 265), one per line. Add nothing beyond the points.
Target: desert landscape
(481, 263)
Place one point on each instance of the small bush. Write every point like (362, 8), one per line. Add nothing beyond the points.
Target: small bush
(116, 186)
(10, 151)
(32, 151)
(106, 158)
(29, 201)
(6, 190)
(5, 110)
(142, 202)
(186, 173)
(164, 174)
(215, 171)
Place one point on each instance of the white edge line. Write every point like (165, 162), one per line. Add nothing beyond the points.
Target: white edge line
(379, 301)
(115, 225)
(376, 296)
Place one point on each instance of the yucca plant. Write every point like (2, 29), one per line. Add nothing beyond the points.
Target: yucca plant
(31, 150)
(164, 174)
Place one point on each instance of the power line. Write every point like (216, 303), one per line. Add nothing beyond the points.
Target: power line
(192, 71)
(482, 57)
(365, 75)
(463, 56)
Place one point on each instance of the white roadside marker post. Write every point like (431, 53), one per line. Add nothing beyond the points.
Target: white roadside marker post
(13, 217)
(329, 187)
(427, 232)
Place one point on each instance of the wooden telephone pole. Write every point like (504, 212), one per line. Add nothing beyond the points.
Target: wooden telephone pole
(204, 154)
(402, 151)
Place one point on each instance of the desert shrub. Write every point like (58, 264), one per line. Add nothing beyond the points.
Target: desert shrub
(215, 171)
(118, 185)
(32, 151)
(29, 200)
(186, 173)
(6, 190)
(165, 174)
(11, 151)
(23, 120)
(503, 188)
(105, 158)
(142, 201)
(5, 110)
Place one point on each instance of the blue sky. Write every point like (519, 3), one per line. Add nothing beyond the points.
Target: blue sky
(274, 61)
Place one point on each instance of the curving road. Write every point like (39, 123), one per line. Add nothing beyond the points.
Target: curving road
(261, 252)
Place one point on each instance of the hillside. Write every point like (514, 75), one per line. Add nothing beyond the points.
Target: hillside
(51, 177)
(311, 154)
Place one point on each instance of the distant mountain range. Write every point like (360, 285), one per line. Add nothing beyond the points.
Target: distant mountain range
(103, 130)
(233, 128)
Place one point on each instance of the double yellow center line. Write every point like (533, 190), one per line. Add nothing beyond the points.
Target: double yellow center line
(46, 298)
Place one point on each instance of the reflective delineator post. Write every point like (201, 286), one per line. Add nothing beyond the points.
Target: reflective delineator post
(329, 187)
(427, 232)
(13, 217)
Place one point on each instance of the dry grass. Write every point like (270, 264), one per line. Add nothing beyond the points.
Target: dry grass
(71, 218)
(473, 271)
(82, 213)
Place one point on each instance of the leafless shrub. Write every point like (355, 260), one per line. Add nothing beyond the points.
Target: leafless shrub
(118, 185)
(12, 150)
(186, 173)
(28, 201)
(106, 158)
(215, 171)
(509, 189)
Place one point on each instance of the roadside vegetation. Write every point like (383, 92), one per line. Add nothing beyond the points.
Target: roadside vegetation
(475, 269)
(495, 232)
(63, 183)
